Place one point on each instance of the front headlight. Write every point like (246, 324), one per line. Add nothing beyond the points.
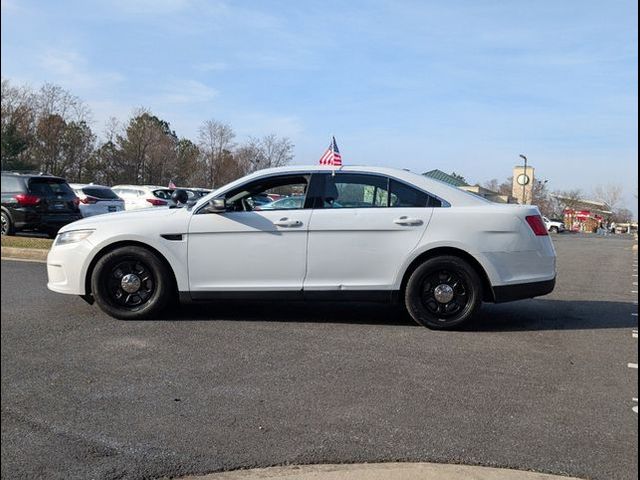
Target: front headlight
(72, 237)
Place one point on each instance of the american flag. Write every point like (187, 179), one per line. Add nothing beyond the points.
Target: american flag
(332, 155)
(171, 184)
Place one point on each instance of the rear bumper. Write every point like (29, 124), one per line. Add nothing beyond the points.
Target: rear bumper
(28, 219)
(520, 291)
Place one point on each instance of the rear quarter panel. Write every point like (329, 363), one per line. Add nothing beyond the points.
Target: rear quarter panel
(495, 235)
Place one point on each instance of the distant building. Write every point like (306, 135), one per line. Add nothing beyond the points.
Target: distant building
(475, 189)
(522, 186)
(584, 215)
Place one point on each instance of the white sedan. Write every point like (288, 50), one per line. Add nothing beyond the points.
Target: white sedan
(361, 233)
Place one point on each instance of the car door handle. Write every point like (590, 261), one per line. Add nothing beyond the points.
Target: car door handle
(287, 223)
(408, 221)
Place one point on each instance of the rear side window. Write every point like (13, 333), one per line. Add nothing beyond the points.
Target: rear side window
(351, 190)
(163, 194)
(403, 195)
(11, 184)
(95, 192)
(49, 186)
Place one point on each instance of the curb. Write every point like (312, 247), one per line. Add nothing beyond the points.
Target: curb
(35, 254)
(380, 471)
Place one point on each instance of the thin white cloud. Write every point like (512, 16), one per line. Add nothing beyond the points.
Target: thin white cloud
(73, 71)
(186, 91)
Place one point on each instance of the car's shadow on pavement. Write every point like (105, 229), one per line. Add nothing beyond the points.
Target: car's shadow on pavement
(364, 313)
(526, 315)
(543, 314)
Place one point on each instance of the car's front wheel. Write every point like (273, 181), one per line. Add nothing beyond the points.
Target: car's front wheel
(131, 283)
(443, 292)
(554, 230)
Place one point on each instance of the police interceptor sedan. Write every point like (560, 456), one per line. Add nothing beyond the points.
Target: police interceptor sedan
(359, 233)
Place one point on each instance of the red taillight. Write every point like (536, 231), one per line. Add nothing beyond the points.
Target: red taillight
(88, 200)
(156, 202)
(27, 200)
(537, 225)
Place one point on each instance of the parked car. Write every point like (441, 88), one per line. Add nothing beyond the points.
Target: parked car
(97, 199)
(295, 201)
(36, 202)
(554, 226)
(438, 249)
(143, 196)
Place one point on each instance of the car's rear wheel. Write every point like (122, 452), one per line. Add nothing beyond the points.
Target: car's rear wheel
(443, 292)
(554, 230)
(7, 224)
(131, 283)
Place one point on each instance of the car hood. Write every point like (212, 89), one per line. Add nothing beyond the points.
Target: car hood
(135, 220)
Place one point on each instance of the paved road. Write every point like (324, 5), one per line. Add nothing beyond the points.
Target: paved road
(540, 384)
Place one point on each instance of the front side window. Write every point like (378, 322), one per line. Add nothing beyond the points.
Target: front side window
(274, 193)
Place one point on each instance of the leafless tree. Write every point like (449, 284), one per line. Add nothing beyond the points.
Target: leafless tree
(504, 188)
(610, 194)
(54, 100)
(215, 140)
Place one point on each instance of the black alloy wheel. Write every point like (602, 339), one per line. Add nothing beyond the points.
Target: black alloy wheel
(7, 224)
(131, 283)
(443, 292)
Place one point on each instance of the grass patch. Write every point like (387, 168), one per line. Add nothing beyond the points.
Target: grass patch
(27, 242)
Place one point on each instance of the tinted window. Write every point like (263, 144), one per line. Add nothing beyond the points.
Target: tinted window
(164, 194)
(403, 195)
(49, 186)
(255, 195)
(98, 192)
(11, 184)
(350, 190)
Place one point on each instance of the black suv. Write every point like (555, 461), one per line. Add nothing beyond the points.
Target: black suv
(37, 202)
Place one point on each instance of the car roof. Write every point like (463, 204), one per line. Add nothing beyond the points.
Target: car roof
(32, 175)
(92, 185)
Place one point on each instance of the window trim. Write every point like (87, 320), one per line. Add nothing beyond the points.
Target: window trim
(314, 176)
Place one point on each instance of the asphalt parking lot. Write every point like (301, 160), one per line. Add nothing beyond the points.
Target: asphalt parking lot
(544, 384)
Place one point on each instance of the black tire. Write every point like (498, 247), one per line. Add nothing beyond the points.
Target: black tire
(426, 303)
(554, 230)
(8, 227)
(155, 283)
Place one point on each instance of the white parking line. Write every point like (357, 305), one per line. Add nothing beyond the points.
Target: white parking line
(635, 409)
(634, 314)
(632, 365)
(634, 334)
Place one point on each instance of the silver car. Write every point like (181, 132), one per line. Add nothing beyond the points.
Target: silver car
(97, 199)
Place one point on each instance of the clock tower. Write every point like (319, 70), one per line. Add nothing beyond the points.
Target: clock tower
(522, 188)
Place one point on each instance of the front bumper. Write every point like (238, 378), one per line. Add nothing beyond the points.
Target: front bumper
(67, 266)
(521, 291)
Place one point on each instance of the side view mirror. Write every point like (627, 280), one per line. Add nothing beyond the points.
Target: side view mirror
(217, 205)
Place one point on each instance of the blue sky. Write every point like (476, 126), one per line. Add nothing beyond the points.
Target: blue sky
(462, 86)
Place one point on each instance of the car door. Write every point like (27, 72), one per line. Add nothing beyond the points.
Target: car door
(363, 230)
(246, 248)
